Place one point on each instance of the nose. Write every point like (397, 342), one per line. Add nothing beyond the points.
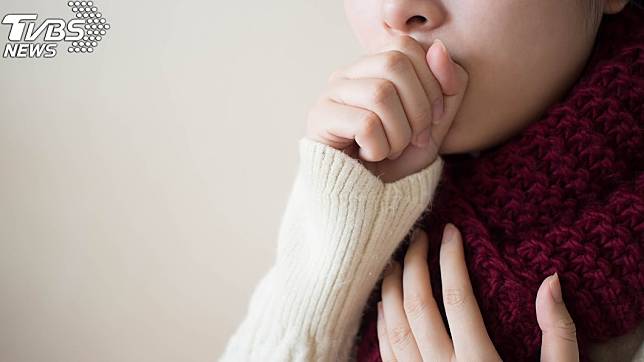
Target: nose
(410, 16)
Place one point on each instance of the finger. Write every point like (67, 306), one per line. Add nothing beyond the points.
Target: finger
(420, 306)
(379, 96)
(396, 66)
(386, 353)
(416, 53)
(443, 68)
(400, 335)
(559, 336)
(338, 125)
(454, 82)
(470, 338)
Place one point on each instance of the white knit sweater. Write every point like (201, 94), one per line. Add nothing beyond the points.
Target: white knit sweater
(339, 229)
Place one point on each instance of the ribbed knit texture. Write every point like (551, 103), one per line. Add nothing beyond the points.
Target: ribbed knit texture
(339, 229)
(564, 195)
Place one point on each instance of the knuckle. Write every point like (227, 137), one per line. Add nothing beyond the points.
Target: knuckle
(465, 76)
(402, 140)
(395, 150)
(414, 305)
(317, 116)
(455, 298)
(370, 123)
(407, 43)
(395, 61)
(382, 92)
(423, 114)
(400, 336)
(566, 329)
(405, 141)
(464, 79)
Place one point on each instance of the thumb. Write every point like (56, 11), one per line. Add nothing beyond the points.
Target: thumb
(452, 77)
(559, 336)
(453, 80)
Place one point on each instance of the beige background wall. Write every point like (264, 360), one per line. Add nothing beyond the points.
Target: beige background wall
(141, 186)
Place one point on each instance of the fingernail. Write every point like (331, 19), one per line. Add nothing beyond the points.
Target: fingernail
(414, 234)
(389, 268)
(437, 110)
(448, 233)
(444, 49)
(422, 139)
(555, 288)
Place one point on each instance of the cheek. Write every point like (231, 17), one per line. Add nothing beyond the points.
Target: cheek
(519, 65)
(520, 55)
(364, 19)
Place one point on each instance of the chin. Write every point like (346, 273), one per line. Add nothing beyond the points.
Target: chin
(457, 141)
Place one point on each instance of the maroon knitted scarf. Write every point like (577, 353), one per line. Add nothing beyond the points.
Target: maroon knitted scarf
(566, 195)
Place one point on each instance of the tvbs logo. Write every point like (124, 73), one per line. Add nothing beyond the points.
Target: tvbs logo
(29, 40)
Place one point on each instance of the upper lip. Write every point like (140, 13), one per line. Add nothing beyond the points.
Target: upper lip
(426, 45)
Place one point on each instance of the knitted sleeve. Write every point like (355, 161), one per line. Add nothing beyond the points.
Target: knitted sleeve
(340, 226)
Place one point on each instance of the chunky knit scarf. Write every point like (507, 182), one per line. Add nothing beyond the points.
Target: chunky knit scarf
(565, 195)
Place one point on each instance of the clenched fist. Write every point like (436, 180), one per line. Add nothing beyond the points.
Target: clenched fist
(391, 110)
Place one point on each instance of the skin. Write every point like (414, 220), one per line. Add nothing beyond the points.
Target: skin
(450, 77)
(521, 55)
(379, 109)
(497, 67)
(512, 59)
(410, 327)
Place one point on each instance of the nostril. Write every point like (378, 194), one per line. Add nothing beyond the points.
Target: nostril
(416, 19)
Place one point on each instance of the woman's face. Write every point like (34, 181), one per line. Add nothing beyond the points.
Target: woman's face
(521, 55)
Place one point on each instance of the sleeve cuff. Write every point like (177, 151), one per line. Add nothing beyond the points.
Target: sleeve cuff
(355, 222)
(341, 225)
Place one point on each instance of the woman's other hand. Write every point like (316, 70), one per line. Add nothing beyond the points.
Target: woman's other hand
(410, 327)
